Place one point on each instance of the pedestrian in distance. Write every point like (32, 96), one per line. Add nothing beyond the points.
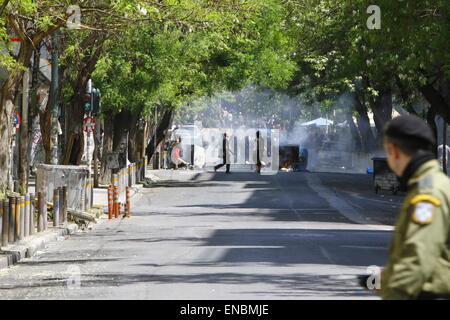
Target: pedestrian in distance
(258, 151)
(226, 154)
(418, 266)
(177, 154)
(440, 151)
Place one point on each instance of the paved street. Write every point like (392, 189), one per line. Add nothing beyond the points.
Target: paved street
(215, 236)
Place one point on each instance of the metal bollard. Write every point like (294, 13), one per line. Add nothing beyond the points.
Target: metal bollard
(110, 202)
(26, 217)
(5, 222)
(17, 222)
(87, 195)
(21, 224)
(12, 219)
(41, 212)
(56, 207)
(45, 207)
(60, 196)
(32, 213)
(83, 198)
(64, 205)
(116, 202)
(91, 204)
(128, 203)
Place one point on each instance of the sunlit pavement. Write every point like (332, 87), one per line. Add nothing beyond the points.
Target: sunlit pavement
(217, 236)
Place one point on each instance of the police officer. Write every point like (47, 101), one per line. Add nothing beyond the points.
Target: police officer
(419, 254)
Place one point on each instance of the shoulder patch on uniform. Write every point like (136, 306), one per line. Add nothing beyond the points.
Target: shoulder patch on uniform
(423, 213)
(426, 182)
(426, 198)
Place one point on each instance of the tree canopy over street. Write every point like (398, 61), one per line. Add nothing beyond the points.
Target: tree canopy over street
(152, 58)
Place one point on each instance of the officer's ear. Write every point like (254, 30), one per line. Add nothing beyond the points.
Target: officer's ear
(396, 152)
(391, 149)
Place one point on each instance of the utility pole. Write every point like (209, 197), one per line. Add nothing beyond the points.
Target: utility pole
(88, 146)
(53, 100)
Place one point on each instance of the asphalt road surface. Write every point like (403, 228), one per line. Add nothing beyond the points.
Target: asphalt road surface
(217, 236)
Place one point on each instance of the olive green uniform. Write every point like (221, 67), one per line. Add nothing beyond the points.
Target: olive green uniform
(419, 254)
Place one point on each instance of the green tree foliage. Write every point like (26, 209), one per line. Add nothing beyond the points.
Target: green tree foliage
(225, 47)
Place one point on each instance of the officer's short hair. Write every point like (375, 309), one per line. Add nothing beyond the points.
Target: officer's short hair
(410, 134)
(410, 146)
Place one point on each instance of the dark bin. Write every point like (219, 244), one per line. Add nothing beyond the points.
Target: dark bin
(383, 177)
(293, 156)
(303, 160)
(288, 156)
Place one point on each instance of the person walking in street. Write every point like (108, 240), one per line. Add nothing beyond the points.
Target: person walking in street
(226, 154)
(419, 255)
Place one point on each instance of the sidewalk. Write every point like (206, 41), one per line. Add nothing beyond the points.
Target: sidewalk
(26, 248)
(358, 190)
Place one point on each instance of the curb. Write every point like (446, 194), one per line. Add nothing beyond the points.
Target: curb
(12, 254)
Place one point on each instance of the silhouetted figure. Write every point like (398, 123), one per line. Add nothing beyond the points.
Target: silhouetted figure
(225, 150)
(258, 158)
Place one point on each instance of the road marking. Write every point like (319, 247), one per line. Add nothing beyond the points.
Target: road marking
(365, 247)
(326, 255)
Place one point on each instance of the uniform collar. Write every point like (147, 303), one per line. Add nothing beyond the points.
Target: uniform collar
(426, 167)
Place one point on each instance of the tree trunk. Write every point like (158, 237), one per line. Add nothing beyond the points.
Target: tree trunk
(8, 93)
(24, 134)
(437, 101)
(134, 138)
(382, 111)
(356, 138)
(45, 125)
(12, 83)
(431, 116)
(75, 105)
(105, 173)
(75, 140)
(161, 130)
(121, 129)
(363, 121)
(5, 142)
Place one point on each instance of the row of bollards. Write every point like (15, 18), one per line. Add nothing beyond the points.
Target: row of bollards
(17, 218)
(122, 182)
(21, 216)
(114, 205)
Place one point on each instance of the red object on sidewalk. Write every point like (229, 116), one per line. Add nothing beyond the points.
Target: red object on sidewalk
(128, 203)
(116, 202)
(110, 202)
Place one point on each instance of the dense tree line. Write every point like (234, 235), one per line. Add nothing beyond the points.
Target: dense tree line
(152, 58)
